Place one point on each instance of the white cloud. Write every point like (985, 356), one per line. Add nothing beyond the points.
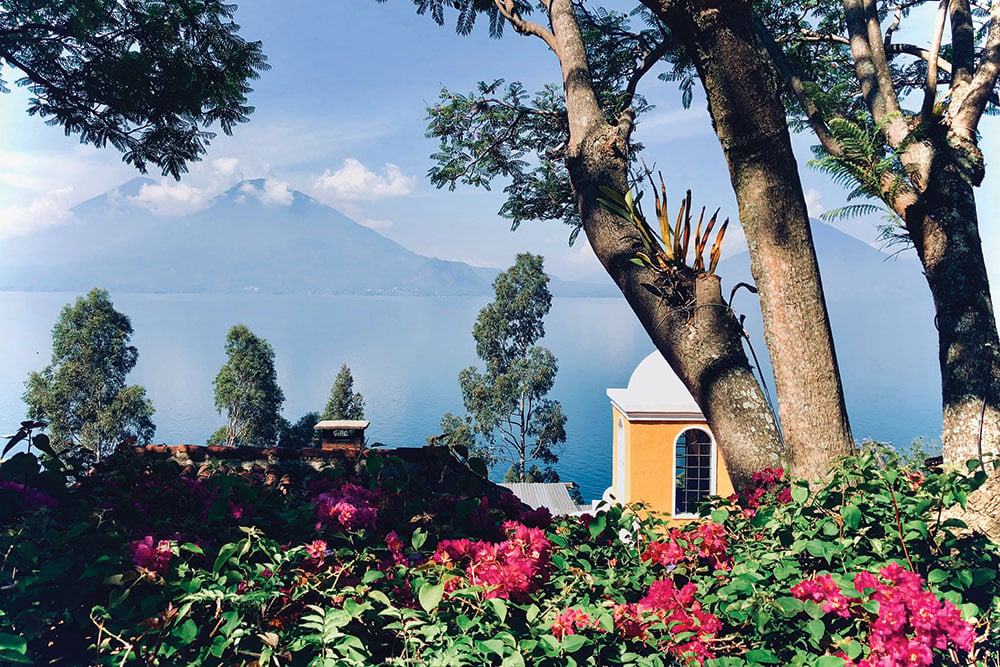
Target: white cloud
(50, 210)
(666, 126)
(173, 199)
(813, 205)
(226, 166)
(356, 182)
(273, 192)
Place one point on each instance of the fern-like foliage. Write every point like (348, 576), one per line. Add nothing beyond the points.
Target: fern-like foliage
(867, 166)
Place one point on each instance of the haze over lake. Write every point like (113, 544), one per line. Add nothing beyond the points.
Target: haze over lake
(405, 354)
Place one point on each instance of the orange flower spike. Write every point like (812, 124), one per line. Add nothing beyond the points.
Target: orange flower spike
(687, 227)
(717, 248)
(699, 243)
(678, 234)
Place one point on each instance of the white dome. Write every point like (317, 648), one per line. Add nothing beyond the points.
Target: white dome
(655, 392)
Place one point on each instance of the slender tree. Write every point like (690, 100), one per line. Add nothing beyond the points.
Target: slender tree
(507, 402)
(344, 402)
(148, 77)
(82, 392)
(247, 391)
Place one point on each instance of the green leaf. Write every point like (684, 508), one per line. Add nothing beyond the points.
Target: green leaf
(597, 525)
(418, 538)
(491, 646)
(225, 553)
(830, 661)
(852, 649)
(852, 516)
(513, 660)
(499, 608)
(186, 632)
(970, 610)
(14, 643)
(760, 655)
(719, 516)
(936, 576)
(372, 575)
(430, 595)
(800, 494)
(816, 629)
(573, 643)
(192, 548)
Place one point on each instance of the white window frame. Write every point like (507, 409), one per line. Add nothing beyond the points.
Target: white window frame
(713, 479)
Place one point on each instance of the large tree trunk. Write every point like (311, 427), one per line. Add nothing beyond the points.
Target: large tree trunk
(943, 226)
(749, 118)
(683, 313)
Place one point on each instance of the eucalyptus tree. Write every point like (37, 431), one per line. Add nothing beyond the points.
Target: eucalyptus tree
(146, 76)
(507, 401)
(82, 393)
(247, 391)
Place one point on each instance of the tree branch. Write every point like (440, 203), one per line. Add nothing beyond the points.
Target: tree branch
(649, 59)
(523, 27)
(966, 119)
(930, 87)
(791, 78)
(871, 67)
(963, 35)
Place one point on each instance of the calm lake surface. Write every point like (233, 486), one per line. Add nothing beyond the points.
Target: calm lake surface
(405, 354)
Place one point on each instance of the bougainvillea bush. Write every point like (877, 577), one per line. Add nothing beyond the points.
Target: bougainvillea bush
(376, 564)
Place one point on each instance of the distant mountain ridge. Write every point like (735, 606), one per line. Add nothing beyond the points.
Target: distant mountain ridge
(241, 242)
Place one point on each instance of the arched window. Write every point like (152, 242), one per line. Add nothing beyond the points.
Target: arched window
(694, 470)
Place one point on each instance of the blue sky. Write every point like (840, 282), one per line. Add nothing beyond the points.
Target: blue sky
(340, 116)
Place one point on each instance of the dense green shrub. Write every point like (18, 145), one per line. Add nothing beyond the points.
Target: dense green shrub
(144, 563)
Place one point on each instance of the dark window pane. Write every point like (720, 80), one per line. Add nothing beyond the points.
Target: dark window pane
(693, 470)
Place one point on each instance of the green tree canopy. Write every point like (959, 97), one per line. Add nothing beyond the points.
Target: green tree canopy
(82, 392)
(146, 76)
(300, 434)
(344, 402)
(507, 402)
(247, 390)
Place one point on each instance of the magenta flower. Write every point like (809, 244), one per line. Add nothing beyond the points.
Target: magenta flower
(149, 557)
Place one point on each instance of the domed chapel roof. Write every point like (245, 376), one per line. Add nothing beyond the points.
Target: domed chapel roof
(655, 393)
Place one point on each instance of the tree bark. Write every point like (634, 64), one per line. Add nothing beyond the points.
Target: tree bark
(682, 312)
(943, 225)
(749, 118)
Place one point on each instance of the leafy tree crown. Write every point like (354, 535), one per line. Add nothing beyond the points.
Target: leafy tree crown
(82, 392)
(344, 402)
(246, 389)
(148, 77)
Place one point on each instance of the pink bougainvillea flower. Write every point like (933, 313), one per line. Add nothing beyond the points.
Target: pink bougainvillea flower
(570, 621)
(150, 556)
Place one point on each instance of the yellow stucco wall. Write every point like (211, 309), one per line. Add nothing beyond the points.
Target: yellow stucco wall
(649, 462)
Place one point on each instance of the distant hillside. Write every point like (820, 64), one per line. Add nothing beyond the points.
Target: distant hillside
(240, 243)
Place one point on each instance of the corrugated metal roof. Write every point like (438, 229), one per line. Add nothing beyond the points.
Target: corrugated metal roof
(553, 495)
(343, 424)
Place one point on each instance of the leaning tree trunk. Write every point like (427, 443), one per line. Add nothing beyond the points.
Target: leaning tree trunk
(943, 225)
(749, 118)
(683, 312)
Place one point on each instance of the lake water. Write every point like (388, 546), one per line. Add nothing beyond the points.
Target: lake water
(405, 354)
